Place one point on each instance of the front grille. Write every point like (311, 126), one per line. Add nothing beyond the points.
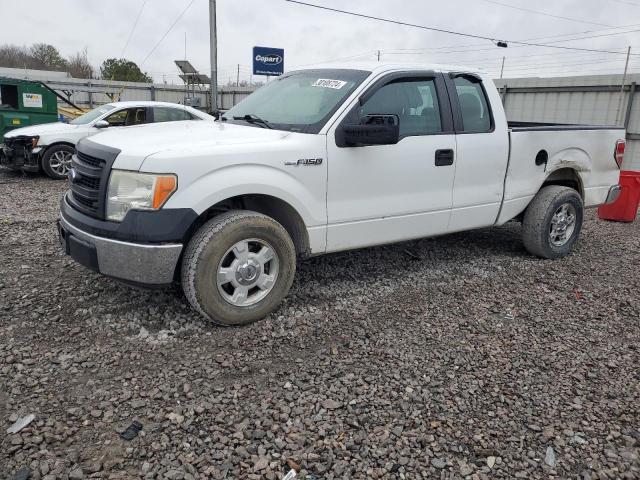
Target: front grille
(88, 182)
(85, 202)
(89, 176)
(89, 160)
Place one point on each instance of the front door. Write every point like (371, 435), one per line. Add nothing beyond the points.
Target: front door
(384, 193)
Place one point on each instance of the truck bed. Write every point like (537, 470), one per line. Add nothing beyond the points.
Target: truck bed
(581, 152)
(517, 126)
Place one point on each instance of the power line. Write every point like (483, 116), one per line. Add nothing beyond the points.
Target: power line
(626, 2)
(135, 24)
(416, 52)
(536, 12)
(559, 65)
(537, 38)
(167, 32)
(452, 32)
(397, 22)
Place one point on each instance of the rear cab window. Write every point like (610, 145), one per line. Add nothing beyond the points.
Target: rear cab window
(474, 105)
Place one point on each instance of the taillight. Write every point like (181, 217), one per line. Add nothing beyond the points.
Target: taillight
(619, 153)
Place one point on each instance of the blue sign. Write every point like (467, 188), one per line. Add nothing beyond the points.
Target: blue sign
(268, 61)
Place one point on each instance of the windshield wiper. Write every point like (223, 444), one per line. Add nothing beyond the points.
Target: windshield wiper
(254, 119)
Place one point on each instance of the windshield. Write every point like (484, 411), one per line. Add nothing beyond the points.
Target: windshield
(298, 101)
(92, 115)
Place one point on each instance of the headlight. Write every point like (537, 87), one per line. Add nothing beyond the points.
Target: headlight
(34, 142)
(137, 191)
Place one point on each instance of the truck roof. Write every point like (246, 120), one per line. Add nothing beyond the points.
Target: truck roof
(377, 67)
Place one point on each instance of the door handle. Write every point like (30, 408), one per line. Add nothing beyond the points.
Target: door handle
(444, 157)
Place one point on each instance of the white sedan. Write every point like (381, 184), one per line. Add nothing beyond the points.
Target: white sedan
(49, 147)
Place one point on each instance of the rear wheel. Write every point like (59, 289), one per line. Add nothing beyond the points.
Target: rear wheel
(56, 161)
(238, 267)
(552, 222)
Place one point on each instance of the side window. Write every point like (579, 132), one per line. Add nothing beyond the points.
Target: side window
(127, 117)
(415, 102)
(476, 116)
(117, 119)
(137, 116)
(168, 114)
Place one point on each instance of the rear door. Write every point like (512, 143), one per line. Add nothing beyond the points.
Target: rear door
(482, 151)
(385, 193)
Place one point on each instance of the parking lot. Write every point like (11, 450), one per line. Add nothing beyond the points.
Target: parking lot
(454, 357)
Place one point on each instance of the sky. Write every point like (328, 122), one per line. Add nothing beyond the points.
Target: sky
(311, 36)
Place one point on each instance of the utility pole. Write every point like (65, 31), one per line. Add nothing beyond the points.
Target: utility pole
(213, 37)
(238, 77)
(378, 55)
(502, 69)
(624, 80)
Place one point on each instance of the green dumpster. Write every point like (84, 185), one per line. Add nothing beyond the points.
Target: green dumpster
(24, 103)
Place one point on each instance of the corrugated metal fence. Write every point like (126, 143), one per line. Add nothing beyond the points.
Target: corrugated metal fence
(89, 93)
(591, 100)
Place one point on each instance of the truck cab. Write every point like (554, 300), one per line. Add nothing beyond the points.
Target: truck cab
(322, 160)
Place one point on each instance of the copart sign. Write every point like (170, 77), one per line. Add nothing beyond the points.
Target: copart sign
(268, 61)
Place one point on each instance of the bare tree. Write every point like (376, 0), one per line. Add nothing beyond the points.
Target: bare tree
(78, 65)
(47, 57)
(13, 56)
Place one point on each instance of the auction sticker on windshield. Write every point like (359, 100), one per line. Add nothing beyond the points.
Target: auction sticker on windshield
(327, 83)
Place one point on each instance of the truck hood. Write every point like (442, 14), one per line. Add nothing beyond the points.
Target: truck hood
(139, 142)
(43, 129)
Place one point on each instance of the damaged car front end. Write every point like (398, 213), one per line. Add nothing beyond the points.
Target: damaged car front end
(21, 153)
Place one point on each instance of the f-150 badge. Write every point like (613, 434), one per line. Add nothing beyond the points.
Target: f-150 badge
(304, 161)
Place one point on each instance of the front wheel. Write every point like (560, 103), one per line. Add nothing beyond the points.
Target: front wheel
(552, 222)
(56, 161)
(238, 267)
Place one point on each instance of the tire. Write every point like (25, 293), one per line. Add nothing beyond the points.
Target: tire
(548, 230)
(56, 161)
(228, 287)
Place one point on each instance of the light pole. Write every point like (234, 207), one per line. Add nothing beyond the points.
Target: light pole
(214, 55)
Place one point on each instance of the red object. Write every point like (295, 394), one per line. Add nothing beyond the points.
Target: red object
(625, 209)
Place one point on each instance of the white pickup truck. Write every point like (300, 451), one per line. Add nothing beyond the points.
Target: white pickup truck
(322, 160)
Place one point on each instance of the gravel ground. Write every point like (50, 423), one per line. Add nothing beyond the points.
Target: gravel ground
(445, 358)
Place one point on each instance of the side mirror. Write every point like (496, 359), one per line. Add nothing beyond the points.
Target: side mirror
(372, 130)
(102, 124)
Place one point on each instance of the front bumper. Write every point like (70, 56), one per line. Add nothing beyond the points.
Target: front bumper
(614, 194)
(21, 158)
(144, 264)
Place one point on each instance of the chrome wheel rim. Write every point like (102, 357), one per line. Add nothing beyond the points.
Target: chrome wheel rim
(60, 162)
(563, 224)
(247, 272)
